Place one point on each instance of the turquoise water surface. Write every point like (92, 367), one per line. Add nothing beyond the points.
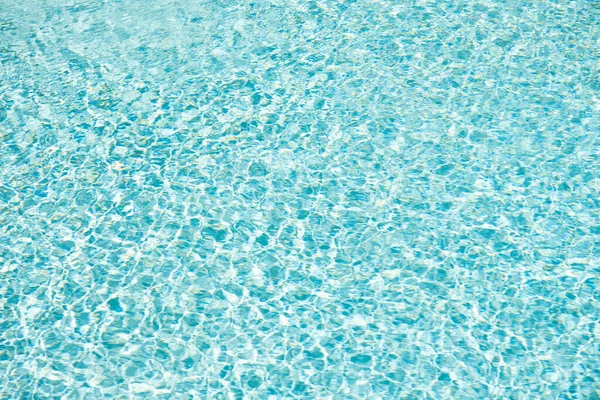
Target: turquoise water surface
(298, 199)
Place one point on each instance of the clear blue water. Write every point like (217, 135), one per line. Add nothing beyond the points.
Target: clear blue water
(299, 199)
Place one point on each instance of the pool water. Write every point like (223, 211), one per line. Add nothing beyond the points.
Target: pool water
(274, 199)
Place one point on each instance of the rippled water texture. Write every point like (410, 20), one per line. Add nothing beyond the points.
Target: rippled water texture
(297, 199)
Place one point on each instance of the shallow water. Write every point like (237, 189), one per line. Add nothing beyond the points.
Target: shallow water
(299, 199)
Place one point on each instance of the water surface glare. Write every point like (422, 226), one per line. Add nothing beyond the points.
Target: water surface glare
(299, 199)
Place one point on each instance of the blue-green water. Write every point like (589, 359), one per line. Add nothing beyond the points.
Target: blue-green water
(299, 199)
